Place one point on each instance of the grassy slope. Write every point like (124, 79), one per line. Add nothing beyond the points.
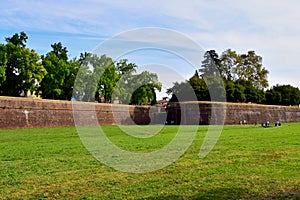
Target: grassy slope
(247, 162)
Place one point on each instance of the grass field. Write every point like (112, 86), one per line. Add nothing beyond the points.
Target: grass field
(248, 162)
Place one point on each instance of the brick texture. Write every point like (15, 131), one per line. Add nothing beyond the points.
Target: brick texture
(24, 112)
(230, 113)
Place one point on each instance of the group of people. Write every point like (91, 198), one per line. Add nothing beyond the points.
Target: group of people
(266, 124)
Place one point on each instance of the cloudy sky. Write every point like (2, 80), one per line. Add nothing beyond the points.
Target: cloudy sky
(271, 28)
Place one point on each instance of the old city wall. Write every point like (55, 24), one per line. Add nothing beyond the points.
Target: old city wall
(231, 113)
(23, 112)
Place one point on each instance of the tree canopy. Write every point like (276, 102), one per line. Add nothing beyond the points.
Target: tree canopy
(283, 95)
(244, 79)
(115, 80)
(53, 75)
(61, 73)
(21, 69)
(100, 78)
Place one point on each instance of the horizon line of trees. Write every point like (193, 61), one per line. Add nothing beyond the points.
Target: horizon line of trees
(234, 77)
(87, 78)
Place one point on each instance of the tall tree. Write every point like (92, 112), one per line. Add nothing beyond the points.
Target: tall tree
(125, 85)
(71, 74)
(250, 69)
(85, 86)
(107, 73)
(24, 71)
(228, 62)
(59, 81)
(211, 64)
(211, 71)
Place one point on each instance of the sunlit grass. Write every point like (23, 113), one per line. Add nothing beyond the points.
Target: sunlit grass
(248, 162)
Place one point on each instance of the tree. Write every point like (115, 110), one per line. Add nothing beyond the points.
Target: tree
(283, 95)
(182, 92)
(24, 71)
(194, 89)
(200, 88)
(252, 94)
(3, 62)
(211, 64)
(107, 72)
(125, 68)
(58, 83)
(228, 61)
(147, 84)
(211, 71)
(60, 51)
(135, 88)
(273, 97)
(243, 75)
(85, 85)
(71, 74)
(250, 68)
(126, 83)
(18, 39)
(239, 93)
(102, 77)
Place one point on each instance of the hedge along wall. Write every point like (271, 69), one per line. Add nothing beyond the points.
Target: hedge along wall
(24, 112)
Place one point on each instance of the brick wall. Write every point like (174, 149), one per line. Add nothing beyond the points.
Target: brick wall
(230, 113)
(23, 112)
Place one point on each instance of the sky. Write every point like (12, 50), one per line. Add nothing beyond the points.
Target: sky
(270, 28)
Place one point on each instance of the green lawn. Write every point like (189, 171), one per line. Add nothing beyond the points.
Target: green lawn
(248, 162)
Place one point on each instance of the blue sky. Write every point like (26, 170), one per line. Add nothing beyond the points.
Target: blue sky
(271, 28)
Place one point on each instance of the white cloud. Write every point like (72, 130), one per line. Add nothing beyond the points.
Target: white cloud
(271, 28)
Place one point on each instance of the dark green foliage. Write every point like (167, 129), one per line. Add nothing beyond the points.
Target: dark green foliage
(182, 92)
(102, 79)
(20, 68)
(136, 88)
(235, 92)
(252, 94)
(200, 87)
(108, 77)
(53, 75)
(283, 95)
(232, 66)
(58, 83)
(143, 90)
(241, 77)
(250, 69)
(18, 39)
(211, 64)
